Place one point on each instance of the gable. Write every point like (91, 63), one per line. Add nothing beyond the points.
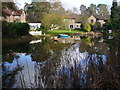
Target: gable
(91, 17)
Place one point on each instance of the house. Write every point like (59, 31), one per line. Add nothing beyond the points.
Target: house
(13, 16)
(34, 26)
(92, 19)
(98, 18)
(71, 22)
(74, 22)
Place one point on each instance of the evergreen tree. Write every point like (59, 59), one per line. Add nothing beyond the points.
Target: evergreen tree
(114, 22)
(114, 9)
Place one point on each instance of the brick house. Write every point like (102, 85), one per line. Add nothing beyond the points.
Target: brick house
(13, 16)
(73, 22)
(98, 18)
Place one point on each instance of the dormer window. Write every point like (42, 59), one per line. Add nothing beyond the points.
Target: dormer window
(77, 25)
(92, 21)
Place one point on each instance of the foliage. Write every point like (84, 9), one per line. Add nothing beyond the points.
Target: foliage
(92, 9)
(57, 8)
(114, 10)
(14, 29)
(102, 9)
(97, 26)
(85, 23)
(38, 29)
(50, 21)
(9, 5)
(114, 22)
(36, 10)
(87, 27)
(83, 9)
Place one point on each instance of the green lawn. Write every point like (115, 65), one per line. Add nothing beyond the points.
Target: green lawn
(56, 32)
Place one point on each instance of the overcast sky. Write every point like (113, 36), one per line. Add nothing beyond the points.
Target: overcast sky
(73, 3)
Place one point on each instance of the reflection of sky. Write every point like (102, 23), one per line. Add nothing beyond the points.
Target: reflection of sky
(73, 58)
(70, 58)
(73, 55)
(28, 70)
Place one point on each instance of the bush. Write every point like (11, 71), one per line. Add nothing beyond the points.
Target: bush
(14, 29)
(40, 29)
(98, 26)
(7, 30)
(87, 27)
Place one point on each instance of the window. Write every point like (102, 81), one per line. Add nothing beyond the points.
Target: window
(71, 26)
(92, 21)
(17, 17)
(77, 26)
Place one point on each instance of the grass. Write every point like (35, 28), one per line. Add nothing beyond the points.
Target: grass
(56, 32)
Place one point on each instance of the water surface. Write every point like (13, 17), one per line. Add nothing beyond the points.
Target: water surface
(72, 62)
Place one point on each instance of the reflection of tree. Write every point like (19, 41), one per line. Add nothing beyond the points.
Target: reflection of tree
(8, 53)
(114, 60)
(92, 46)
(73, 67)
(106, 75)
(45, 49)
(8, 76)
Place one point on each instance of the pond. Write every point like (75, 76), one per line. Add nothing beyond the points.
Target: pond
(73, 62)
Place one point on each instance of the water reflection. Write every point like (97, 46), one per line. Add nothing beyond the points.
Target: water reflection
(89, 62)
(70, 39)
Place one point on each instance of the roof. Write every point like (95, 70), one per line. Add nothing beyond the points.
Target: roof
(11, 12)
(101, 17)
(98, 17)
(69, 17)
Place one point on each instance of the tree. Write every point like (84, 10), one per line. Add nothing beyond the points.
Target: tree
(85, 23)
(75, 10)
(87, 27)
(57, 8)
(92, 9)
(9, 5)
(114, 10)
(83, 9)
(52, 21)
(102, 9)
(114, 22)
(36, 10)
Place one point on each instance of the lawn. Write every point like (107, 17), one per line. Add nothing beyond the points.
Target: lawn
(56, 32)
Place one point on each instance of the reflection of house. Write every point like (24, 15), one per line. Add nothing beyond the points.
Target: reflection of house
(71, 39)
(74, 22)
(13, 16)
(34, 26)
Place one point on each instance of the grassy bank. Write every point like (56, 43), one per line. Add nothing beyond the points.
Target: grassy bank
(56, 32)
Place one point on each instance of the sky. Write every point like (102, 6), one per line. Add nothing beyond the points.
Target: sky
(69, 4)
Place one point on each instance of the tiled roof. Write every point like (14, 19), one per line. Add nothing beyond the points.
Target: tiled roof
(11, 12)
(100, 17)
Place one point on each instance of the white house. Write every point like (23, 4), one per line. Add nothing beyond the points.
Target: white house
(34, 26)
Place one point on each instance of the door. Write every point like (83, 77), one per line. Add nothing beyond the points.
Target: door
(71, 26)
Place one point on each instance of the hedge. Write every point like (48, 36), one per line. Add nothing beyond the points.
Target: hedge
(14, 29)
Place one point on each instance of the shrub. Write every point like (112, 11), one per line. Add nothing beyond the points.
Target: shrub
(21, 28)
(98, 26)
(14, 29)
(40, 29)
(87, 27)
